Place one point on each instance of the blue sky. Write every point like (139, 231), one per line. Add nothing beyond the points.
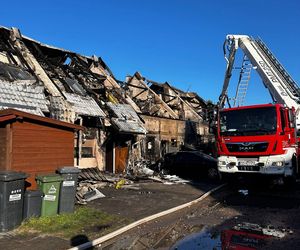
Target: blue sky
(179, 41)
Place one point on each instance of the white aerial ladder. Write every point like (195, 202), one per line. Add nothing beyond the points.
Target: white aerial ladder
(283, 89)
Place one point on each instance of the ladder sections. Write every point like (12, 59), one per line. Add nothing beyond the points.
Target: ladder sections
(243, 82)
(286, 80)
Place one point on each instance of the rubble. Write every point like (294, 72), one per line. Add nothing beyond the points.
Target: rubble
(92, 174)
(91, 180)
(139, 168)
(93, 195)
(174, 179)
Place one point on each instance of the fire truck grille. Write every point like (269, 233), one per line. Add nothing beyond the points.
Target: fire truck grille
(247, 147)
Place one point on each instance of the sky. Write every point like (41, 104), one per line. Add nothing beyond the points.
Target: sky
(174, 41)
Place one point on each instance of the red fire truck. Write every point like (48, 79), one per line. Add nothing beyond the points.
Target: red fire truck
(262, 138)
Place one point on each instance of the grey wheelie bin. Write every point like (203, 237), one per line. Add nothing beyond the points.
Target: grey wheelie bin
(12, 185)
(68, 189)
(50, 186)
(32, 203)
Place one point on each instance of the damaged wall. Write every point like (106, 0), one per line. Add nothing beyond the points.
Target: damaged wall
(170, 135)
(174, 119)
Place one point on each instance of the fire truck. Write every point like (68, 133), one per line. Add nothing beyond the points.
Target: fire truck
(257, 139)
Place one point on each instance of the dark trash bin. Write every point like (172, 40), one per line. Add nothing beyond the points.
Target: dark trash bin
(32, 203)
(12, 186)
(68, 189)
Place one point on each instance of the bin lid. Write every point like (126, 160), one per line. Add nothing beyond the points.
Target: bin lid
(12, 175)
(49, 178)
(68, 170)
(34, 193)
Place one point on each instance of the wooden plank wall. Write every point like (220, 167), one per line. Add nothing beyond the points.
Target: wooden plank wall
(3, 148)
(38, 149)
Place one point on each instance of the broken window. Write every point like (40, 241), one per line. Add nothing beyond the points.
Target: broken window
(87, 152)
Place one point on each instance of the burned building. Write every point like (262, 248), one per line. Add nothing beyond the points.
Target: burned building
(174, 119)
(124, 121)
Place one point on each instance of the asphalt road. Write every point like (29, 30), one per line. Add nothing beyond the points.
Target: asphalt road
(132, 205)
(197, 227)
(201, 226)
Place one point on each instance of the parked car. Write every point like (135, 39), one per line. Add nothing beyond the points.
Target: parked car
(190, 164)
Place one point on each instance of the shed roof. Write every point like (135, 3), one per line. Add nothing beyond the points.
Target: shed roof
(10, 114)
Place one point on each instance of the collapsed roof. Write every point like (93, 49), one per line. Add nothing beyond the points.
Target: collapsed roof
(62, 84)
(163, 100)
(43, 79)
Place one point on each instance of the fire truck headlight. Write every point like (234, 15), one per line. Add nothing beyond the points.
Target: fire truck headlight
(278, 163)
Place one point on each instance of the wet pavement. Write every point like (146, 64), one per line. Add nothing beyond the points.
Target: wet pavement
(274, 210)
(206, 225)
(204, 239)
(150, 198)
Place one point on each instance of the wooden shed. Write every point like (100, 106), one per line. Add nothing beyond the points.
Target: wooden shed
(35, 144)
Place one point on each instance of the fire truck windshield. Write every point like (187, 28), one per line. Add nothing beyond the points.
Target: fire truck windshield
(252, 121)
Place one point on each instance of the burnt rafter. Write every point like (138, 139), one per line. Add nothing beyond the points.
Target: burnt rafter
(62, 71)
(76, 65)
(143, 91)
(11, 42)
(6, 47)
(135, 86)
(157, 100)
(160, 92)
(172, 99)
(45, 60)
(57, 69)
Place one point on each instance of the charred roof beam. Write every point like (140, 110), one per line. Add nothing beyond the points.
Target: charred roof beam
(9, 51)
(12, 40)
(52, 68)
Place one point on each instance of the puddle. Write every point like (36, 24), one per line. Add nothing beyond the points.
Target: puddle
(241, 236)
(201, 240)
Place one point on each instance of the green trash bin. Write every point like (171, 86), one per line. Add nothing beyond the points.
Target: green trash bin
(50, 186)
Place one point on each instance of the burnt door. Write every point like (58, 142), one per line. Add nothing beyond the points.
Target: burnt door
(121, 156)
